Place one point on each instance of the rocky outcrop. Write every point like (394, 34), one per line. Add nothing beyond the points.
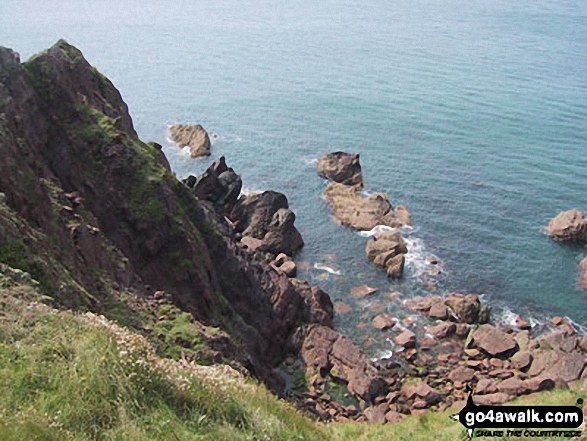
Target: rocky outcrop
(267, 217)
(363, 212)
(387, 251)
(219, 184)
(568, 226)
(461, 308)
(195, 137)
(341, 167)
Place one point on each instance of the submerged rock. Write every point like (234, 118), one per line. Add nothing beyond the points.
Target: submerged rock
(362, 212)
(569, 226)
(194, 137)
(341, 167)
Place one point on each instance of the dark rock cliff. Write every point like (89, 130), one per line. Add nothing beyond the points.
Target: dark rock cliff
(87, 208)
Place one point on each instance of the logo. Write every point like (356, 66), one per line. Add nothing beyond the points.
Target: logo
(500, 421)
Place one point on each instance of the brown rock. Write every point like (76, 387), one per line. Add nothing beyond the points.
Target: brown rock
(193, 136)
(342, 308)
(522, 360)
(395, 266)
(384, 321)
(363, 291)
(219, 184)
(462, 374)
(422, 391)
(465, 307)
(492, 399)
(538, 384)
(341, 167)
(406, 339)
(442, 330)
(568, 225)
(438, 311)
(493, 341)
(393, 417)
(486, 386)
(568, 368)
(374, 415)
(522, 324)
(360, 212)
(512, 386)
(251, 243)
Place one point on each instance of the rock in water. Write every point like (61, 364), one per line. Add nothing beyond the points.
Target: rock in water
(569, 225)
(387, 251)
(341, 167)
(195, 137)
(362, 212)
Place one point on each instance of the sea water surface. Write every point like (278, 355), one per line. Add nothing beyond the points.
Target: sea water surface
(471, 114)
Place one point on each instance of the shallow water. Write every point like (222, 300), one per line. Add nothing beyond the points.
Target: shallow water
(473, 115)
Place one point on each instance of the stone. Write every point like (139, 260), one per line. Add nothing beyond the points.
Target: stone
(393, 417)
(384, 321)
(363, 291)
(219, 184)
(421, 390)
(193, 136)
(406, 339)
(568, 368)
(538, 384)
(493, 341)
(568, 226)
(512, 386)
(374, 415)
(395, 266)
(289, 268)
(341, 167)
(438, 311)
(342, 308)
(462, 374)
(465, 307)
(486, 386)
(386, 250)
(442, 330)
(521, 360)
(360, 212)
(522, 324)
(492, 399)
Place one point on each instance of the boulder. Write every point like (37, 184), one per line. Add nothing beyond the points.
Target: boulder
(465, 307)
(358, 211)
(386, 250)
(363, 291)
(493, 341)
(522, 360)
(219, 184)
(568, 226)
(421, 390)
(383, 321)
(462, 374)
(266, 216)
(341, 167)
(406, 339)
(442, 330)
(195, 137)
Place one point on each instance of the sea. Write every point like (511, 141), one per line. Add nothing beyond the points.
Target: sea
(472, 114)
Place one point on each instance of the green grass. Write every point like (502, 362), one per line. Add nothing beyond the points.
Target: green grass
(68, 376)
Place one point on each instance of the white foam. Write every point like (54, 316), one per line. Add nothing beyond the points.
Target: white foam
(329, 270)
(249, 192)
(383, 355)
(378, 229)
(310, 161)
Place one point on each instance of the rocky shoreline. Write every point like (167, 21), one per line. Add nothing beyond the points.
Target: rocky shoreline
(95, 215)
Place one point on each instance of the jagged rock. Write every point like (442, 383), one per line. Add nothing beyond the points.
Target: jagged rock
(395, 266)
(383, 322)
(360, 212)
(195, 137)
(568, 225)
(318, 305)
(341, 167)
(538, 384)
(493, 341)
(374, 415)
(485, 386)
(266, 216)
(219, 185)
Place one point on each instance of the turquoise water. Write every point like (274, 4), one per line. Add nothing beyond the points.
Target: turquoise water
(472, 114)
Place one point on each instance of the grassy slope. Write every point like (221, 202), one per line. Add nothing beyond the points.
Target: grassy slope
(72, 376)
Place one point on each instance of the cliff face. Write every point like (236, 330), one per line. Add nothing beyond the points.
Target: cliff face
(88, 206)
